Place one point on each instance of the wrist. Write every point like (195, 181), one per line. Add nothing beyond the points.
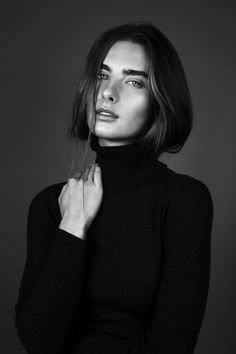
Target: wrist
(73, 226)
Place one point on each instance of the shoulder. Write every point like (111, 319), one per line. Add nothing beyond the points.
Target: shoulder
(172, 185)
(187, 195)
(44, 204)
(188, 187)
(48, 194)
(177, 185)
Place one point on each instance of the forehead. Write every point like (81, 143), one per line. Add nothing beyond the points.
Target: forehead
(127, 55)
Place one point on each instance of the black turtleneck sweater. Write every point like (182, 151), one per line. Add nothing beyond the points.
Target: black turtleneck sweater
(138, 283)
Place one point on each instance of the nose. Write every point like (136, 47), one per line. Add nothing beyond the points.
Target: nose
(110, 93)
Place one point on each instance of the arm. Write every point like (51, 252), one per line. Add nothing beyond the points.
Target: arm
(52, 283)
(183, 291)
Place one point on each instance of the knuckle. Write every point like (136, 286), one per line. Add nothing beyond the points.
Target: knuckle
(71, 181)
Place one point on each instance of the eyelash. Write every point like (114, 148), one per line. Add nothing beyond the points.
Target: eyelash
(140, 84)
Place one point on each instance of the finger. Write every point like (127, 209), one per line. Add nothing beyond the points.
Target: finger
(62, 192)
(77, 175)
(85, 175)
(98, 176)
(71, 181)
(63, 188)
(91, 173)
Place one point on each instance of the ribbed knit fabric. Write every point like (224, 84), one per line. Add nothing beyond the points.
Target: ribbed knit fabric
(138, 283)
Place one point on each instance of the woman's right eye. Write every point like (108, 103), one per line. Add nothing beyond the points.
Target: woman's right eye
(102, 76)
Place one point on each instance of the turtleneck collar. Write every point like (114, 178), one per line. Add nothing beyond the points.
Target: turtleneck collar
(124, 168)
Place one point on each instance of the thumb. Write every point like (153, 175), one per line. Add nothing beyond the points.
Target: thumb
(98, 176)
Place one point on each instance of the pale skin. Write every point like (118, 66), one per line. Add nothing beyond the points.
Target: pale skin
(127, 94)
(76, 219)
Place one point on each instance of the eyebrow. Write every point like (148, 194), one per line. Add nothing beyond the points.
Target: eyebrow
(127, 71)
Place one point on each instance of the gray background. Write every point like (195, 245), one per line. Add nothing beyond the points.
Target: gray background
(43, 47)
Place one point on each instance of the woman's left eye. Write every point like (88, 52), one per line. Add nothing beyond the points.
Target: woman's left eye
(136, 83)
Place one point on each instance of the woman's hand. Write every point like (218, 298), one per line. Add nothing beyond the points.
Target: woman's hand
(76, 217)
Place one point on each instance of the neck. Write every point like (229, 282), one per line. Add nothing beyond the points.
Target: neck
(104, 142)
(124, 168)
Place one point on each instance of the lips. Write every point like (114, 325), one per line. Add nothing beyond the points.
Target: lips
(106, 112)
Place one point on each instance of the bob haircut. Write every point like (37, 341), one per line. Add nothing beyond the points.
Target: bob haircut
(170, 100)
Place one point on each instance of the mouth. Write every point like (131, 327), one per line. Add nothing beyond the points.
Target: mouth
(106, 113)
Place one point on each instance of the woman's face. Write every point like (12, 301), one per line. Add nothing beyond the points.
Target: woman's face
(122, 87)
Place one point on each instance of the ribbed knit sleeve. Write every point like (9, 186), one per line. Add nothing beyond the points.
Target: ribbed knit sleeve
(183, 292)
(51, 285)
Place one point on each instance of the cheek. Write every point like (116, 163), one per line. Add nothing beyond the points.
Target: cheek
(140, 106)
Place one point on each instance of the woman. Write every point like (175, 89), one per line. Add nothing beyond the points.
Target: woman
(118, 258)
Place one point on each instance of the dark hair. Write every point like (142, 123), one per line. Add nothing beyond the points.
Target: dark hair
(170, 99)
